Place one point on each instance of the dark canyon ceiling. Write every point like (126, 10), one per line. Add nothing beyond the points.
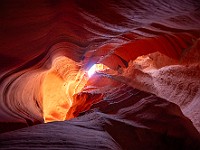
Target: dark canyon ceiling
(145, 90)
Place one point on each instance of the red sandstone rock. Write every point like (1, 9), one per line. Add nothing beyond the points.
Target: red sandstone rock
(47, 47)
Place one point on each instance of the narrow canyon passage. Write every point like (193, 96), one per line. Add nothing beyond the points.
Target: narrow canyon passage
(83, 74)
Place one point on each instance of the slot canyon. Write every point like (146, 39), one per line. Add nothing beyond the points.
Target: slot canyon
(100, 74)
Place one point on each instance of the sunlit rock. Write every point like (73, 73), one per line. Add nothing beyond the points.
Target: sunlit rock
(125, 71)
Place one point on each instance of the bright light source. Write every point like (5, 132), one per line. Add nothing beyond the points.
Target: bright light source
(92, 70)
(96, 67)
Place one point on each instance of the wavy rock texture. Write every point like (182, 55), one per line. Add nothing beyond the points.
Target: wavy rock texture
(140, 120)
(145, 99)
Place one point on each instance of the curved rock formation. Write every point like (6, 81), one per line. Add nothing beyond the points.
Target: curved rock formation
(148, 91)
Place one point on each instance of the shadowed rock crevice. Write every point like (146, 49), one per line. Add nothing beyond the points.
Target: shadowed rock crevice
(145, 90)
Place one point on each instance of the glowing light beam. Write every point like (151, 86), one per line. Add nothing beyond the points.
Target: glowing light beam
(95, 68)
(92, 70)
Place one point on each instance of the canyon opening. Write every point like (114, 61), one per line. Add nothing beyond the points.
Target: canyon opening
(100, 74)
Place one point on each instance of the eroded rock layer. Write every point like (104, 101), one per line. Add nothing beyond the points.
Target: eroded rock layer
(139, 120)
(147, 48)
